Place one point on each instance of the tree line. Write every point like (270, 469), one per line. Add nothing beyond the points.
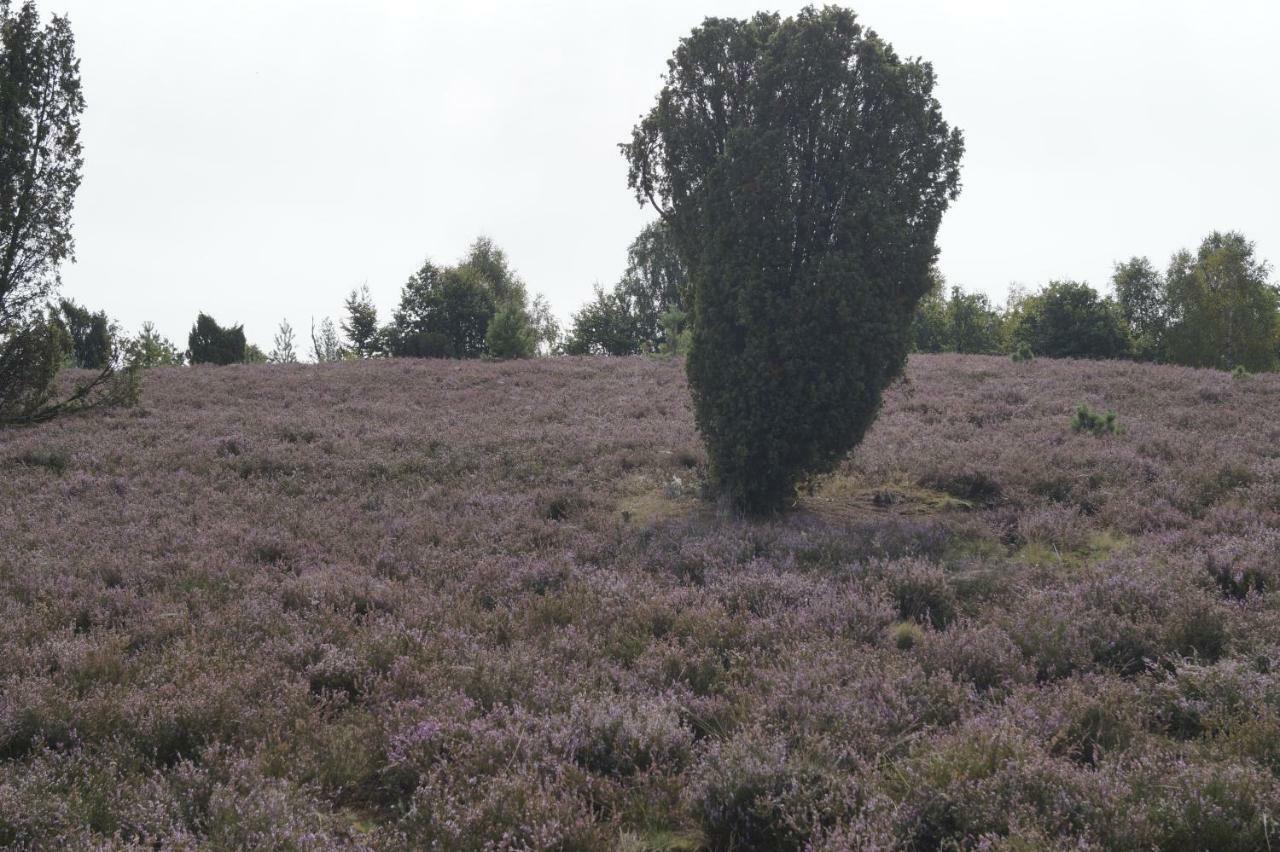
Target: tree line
(476, 308)
(1214, 307)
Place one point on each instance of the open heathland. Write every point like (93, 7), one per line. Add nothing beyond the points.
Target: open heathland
(396, 604)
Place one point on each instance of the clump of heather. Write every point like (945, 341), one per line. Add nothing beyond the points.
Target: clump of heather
(347, 606)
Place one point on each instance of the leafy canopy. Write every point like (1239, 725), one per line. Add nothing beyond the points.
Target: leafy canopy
(1223, 311)
(446, 312)
(803, 169)
(1068, 319)
(607, 325)
(644, 312)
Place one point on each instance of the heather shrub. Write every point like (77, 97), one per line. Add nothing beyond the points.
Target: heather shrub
(987, 782)
(318, 657)
(1091, 723)
(1241, 566)
(561, 504)
(348, 759)
(1058, 527)
(1198, 629)
(983, 656)
(1053, 636)
(610, 737)
(335, 670)
(1214, 485)
(1197, 700)
(1123, 645)
(922, 592)
(1171, 803)
(54, 461)
(754, 792)
(522, 808)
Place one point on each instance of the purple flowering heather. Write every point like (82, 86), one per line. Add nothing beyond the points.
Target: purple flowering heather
(465, 605)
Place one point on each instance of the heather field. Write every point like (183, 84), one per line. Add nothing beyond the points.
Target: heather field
(435, 604)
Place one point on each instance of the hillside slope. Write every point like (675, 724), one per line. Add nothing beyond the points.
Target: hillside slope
(393, 604)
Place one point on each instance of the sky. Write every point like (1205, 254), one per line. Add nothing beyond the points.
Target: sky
(257, 159)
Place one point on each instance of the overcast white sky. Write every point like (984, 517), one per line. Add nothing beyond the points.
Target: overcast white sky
(256, 159)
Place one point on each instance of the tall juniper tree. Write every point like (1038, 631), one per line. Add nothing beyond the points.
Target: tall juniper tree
(803, 169)
(40, 164)
(211, 343)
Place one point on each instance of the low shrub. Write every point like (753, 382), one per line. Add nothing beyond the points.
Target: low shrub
(922, 592)
(753, 792)
(611, 736)
(1094, 422)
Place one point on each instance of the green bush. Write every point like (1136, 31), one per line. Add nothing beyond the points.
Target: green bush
(210, 343)
(1094, 422)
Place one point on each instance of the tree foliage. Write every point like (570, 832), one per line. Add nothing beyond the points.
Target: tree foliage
(284, 350)
(1068, 319)
(210, 343)
(546, 328)
(803, 169)
(973, 324)
(607, 325)
(637, 315)
(152, 349)
(655, 282)
(511, 334)
(326, 347)
(1143, 301)
(929, 331)
(445, 312)
(360, 326)
(29, 362)
(41, 102)
(40, 155)
(92, 338)
(1222, 308)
